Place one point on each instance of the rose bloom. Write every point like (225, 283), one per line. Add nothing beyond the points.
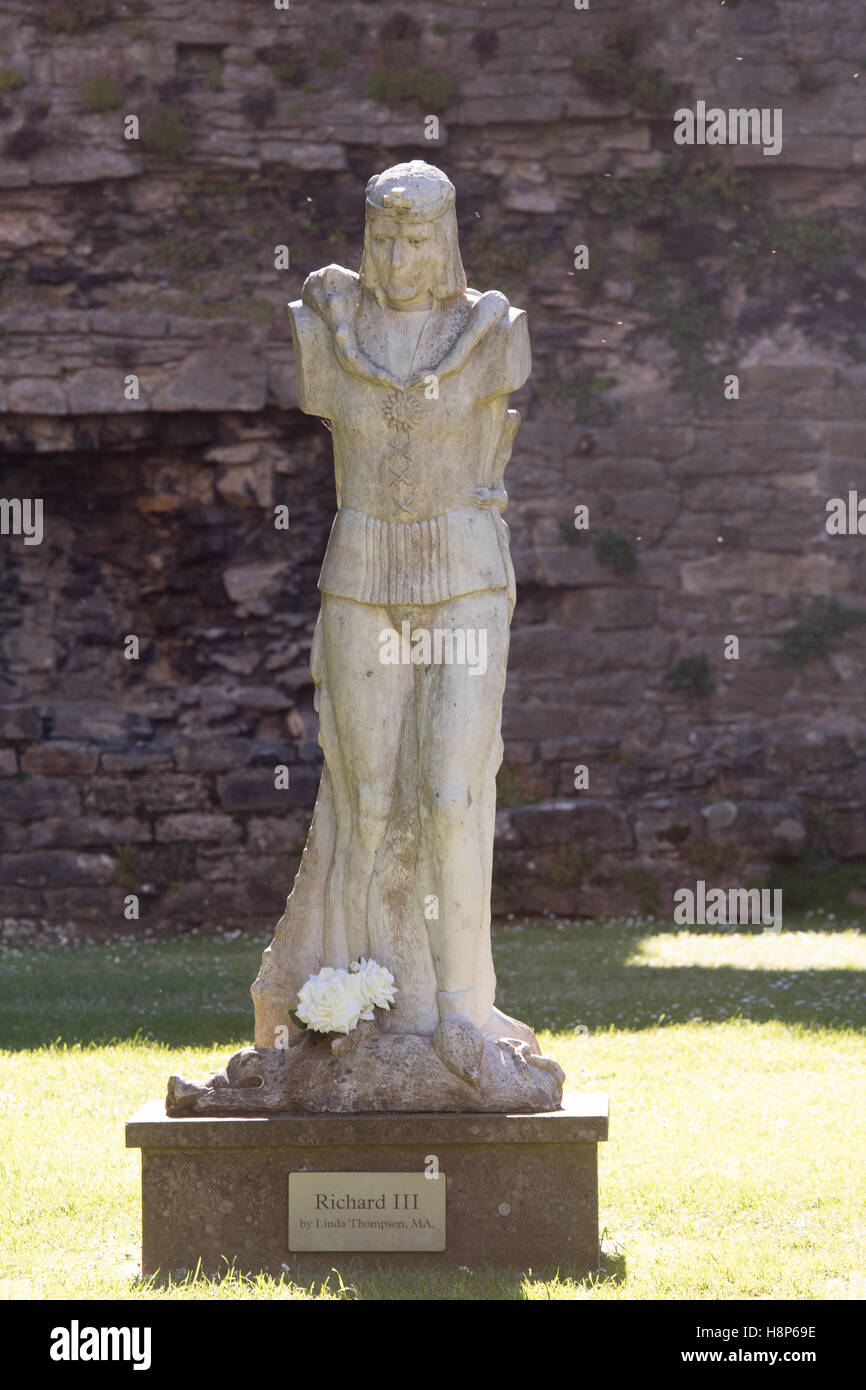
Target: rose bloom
(376, 984)
(330, 1002)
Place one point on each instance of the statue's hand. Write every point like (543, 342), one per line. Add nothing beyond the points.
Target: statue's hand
(480, 498)
(499, 499)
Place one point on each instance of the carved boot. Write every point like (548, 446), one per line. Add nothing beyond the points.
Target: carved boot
(457, 1042)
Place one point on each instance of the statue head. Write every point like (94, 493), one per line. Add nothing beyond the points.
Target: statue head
(411, 250)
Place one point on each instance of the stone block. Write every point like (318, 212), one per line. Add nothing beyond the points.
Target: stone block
(274, 871)
(255, 791)
(206, 755)
(37, 396)
(583, 822)
(20, 902)
(521, 1190)
(99, 722)
(35, 797)
(147, 793)
(75, 164)
(58, 758)
(57, 869)
(99, 909)
(306, 155)
(19, 723)
(213, 379)
(101, 390)
(150, 759)
(56, 832)
(197, 827)
(221, 902)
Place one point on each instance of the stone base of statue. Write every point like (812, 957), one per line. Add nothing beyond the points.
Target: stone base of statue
(456, 1068)
(277, 1193)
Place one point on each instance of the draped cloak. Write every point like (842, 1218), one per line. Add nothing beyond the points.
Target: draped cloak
(405, 533)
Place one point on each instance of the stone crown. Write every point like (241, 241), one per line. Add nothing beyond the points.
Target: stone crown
(412, 192)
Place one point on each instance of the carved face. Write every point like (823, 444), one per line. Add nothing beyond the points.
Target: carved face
(405, 256)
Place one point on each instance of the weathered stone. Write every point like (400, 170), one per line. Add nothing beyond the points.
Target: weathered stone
(261, 697)
(206, 755)
(72, 164)
(33, 797)
(57, 758)
(303, 156)
(146, 793)
(456, 1069)
(103, 389)
(19, 902)
(101, 910)
(27, 651)
(37, 395)
(271, 835)
(765, 573)
(248, 485)
(255, 791)
(197, 826)
(149, 759)
(99, 723)
(578, 822)
(57, 868)
(213, 379)
(254, 583)
(58, 833)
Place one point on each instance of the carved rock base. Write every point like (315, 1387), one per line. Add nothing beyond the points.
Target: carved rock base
(458, 1068)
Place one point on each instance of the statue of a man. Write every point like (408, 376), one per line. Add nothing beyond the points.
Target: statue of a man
(412, 372)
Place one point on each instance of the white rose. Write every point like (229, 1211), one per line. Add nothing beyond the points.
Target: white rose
(330, 1002)
(376, 984)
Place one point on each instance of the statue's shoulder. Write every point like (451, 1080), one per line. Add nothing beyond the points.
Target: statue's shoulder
(329, 291)
(493, 309)
(502, 330)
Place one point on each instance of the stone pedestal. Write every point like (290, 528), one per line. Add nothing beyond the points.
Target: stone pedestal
(520, 1190)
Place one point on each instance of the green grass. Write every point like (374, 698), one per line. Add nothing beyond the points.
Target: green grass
(732, 1060)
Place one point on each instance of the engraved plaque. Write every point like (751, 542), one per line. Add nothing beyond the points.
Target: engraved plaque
(366, 1211)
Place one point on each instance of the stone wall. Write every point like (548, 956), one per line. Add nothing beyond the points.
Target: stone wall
(155, 259)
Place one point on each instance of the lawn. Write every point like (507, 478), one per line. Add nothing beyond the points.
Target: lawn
(734, 1064)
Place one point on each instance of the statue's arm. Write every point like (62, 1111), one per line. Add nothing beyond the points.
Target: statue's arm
(314, 361)
(507, 358)
(504, 366)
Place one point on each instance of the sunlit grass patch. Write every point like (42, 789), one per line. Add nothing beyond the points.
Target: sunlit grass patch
(733, 1061)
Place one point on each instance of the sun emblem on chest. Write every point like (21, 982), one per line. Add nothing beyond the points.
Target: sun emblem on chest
(402, 409)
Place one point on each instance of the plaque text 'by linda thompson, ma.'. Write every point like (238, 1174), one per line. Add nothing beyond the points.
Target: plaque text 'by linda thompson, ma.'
(366, 1211)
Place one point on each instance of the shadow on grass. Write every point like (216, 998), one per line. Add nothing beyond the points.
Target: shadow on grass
(196, 993)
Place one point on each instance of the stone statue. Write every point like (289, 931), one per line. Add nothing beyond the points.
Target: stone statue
(411, 371)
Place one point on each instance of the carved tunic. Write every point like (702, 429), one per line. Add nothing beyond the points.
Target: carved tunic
(406, 531)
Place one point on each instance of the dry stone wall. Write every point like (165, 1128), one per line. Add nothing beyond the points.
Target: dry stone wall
(156, 259)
